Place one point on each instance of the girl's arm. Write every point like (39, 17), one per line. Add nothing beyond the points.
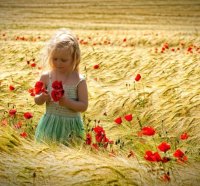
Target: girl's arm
(43, 97)
(82, 103)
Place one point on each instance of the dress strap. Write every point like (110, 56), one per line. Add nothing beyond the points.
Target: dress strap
(81, 79)
(49, 75)
(50, 78)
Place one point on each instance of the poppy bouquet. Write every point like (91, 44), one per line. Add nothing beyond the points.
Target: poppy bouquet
(57, 91)
(38, 89)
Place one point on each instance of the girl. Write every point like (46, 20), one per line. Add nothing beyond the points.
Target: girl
(62, 121)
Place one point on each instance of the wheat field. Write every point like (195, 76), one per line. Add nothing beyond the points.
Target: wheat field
(157, 39)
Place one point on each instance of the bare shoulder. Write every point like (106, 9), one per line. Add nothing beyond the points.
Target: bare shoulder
(82, 84)
(78, 77)
(81, 77)
(82, 89)
(44, 77)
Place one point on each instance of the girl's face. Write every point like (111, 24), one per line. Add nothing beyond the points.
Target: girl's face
(62, 60)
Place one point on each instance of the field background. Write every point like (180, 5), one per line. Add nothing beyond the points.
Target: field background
(125, 38)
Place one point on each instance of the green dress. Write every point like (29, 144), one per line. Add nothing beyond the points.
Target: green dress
(60, 124)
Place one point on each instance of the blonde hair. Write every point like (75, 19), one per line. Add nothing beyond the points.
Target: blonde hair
(61, 39)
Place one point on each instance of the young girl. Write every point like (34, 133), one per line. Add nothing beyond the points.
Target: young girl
(62, 121)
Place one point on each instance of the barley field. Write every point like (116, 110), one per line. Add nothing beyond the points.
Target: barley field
(141, 60)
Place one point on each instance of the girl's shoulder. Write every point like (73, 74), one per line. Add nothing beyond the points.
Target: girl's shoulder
(79, 78)
(45, 76)
(46, 73)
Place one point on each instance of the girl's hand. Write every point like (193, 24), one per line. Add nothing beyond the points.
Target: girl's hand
(62, 101)
(45, 97)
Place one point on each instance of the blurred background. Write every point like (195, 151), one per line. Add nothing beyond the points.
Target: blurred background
(103, 14)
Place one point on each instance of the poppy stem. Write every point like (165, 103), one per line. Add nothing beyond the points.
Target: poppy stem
(138, 119)
(134, 86)
(164, 131)
(154, 142)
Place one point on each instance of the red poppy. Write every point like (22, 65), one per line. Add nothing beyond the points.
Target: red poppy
(106, 140)
(128, 117)
(11, 87)
(32, 91)
(147, 131)
(184, 136)
(124, 40)
(84, 42)
(57, 91)
(156, 157)
(57, 94)
(18, 125)
(189, 49)
(57, 85)
(183, 159)
(96, 66)
(100, 133)
(24, 134)
(33, 65)
(118, 120)
(152, 157)
(165, 159)
(164, 147)
(99, 137)
(138, 77)
(28, 115)
(32, 94)
(166, 45)
(95, 146)
(38, 87)
(4, 122)
(98, 129)
(39, 84)
(12, 112)
(88, 139)
(178, 154)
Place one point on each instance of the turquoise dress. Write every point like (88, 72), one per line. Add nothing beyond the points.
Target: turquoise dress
(60, 124)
